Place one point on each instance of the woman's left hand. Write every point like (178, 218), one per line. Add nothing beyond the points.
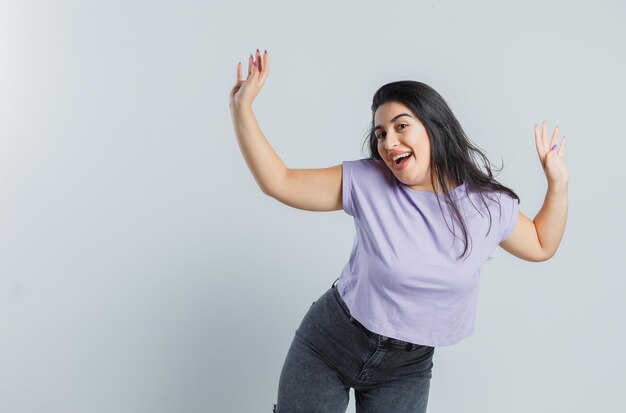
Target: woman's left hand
(551, 157)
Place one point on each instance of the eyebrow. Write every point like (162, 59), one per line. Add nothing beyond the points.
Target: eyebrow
(393, 120)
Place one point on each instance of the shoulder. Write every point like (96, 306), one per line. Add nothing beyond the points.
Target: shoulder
(494, 198)
(364, 164)
(509, 210)
(498, 203)
(366, 169)
(506, 199)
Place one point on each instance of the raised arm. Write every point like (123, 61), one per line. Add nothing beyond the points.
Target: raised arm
(308, 189)
(265, 165)
(551, 219)
(539, 239)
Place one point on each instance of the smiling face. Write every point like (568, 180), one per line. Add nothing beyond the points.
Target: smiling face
(398, 130)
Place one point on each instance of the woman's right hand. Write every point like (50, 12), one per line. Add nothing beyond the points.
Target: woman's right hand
(245, 91)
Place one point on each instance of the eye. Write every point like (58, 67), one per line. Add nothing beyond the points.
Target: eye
(379, 136)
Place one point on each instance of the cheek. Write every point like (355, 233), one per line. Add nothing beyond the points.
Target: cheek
(423, 150)
(380, 150)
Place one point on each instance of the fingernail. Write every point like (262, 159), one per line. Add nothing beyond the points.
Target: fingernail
(553, 146)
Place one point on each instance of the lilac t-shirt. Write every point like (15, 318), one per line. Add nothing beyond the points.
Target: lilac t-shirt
(403, 279)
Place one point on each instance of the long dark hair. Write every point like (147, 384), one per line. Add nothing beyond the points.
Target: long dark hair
(452, 154)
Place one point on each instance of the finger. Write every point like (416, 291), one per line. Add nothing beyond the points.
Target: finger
(544, 134)
(555, 134)
(538, 144)
(562, 147)
(264, 66)
(540, 141)
(258, 60)
(255, 68)
(239, 79)
(250, 66)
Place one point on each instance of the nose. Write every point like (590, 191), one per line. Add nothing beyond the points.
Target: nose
(391, 141)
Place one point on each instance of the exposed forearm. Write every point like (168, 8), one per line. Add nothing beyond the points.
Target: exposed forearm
(265, 165)
(551, 219)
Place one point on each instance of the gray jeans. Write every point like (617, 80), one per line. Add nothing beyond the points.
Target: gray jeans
(332, 352)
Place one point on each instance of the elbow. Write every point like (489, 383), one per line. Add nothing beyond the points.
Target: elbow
(264, 190)
(273, 189)
(546, 256)
(267, 192)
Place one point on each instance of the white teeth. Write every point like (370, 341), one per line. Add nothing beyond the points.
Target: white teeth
(395, 158)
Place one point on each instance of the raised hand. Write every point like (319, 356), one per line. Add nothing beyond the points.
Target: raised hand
(552, 159)
(245, 91)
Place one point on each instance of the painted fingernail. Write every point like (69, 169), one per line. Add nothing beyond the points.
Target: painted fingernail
(553, 146)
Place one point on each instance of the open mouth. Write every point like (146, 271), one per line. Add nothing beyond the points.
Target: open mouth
(401, 162)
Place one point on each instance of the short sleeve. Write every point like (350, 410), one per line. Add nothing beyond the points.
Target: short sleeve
(347, 187)
(510, 215)
(364, 184)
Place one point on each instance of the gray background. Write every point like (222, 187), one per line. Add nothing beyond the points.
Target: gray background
(141, 268)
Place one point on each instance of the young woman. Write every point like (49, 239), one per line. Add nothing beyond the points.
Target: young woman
(427, 218)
